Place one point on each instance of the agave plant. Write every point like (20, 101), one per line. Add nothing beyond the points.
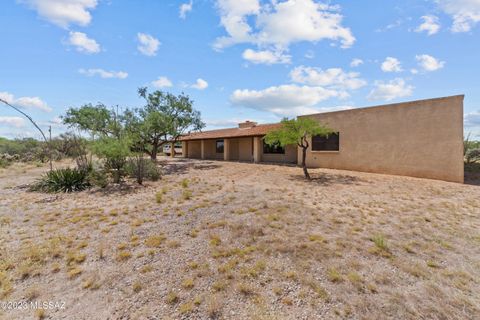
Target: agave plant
(62, 180)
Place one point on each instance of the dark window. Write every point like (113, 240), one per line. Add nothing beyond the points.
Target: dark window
(326, 143)
(219, 146)
(274, 148)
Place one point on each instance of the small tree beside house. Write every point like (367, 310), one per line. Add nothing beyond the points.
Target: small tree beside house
(297, 132)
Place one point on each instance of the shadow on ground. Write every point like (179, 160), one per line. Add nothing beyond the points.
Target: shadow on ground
(328, 179)
(182, 166)
(472, 174)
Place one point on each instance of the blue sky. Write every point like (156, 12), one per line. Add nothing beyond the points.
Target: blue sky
(237, 59)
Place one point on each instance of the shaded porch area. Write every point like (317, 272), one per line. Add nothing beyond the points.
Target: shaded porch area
(246, 149)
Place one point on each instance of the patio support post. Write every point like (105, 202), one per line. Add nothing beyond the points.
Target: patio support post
(257, 149)
(185, 149)
(226, 149)
(202, 149)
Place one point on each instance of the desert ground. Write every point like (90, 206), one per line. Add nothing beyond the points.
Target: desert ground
(227, 240)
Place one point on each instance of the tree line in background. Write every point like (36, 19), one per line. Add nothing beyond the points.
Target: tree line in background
(119, 138)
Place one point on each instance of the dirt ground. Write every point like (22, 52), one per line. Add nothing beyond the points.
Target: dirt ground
(231, 240)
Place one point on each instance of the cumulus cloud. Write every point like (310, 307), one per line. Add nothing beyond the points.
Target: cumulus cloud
(356, 62)
(103, 73)
(465, 13)
(472, 119)
(276, 25)
(430, 25)
(83, 43)
(265, 57)
(429, 63)
(63, 12)
(185, 8)
(391, 90)
(284, 100)
(16, 122)
(200, 84)
(148, 45)
(162, 82)
(391, 65)
(334, 78)
(31, 103)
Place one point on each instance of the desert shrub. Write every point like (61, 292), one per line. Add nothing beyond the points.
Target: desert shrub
(62, 180)
(6, 159)
(472, 155)
(97, 178)
(115, 152)
(141, 168)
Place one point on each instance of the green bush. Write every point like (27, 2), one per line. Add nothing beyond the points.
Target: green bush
(97, 178)
(472, 155)
(140, 168)
(115, 152)
(62, 180)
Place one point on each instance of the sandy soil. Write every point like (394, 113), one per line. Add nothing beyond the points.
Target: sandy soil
(242, 241)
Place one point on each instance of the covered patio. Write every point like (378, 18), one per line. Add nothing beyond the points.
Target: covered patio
(244, 143)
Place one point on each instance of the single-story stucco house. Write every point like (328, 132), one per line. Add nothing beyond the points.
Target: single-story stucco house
(419, 138)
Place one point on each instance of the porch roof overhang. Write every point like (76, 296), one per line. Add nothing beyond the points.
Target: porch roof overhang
(254, 131)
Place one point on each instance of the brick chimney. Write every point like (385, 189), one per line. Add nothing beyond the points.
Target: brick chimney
(247, 124)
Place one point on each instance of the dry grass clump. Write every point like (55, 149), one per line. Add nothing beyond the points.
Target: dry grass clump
(214, 306)
(381, 248)
(5, 284)
(186, 194)
(171, 297)
(155, 241)
(188, 283)
(137, 286)
(159, 197)
(186, 307)
(334, 275)
(123, 255)
(74, 272)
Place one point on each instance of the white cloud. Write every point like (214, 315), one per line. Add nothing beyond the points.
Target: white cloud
(391, 90)
(472, 119)
(278, 24)
(391, 65)
(356, 62)
(185, 8)
(310, 54)
(333, 78)
(283, 100)
(200, 84)
(16, 122)
(265, 57)
(103, 73)
(162, 82)
(64, 12)
(465, 13)
(430, 25)
(414, 71)
(148, 44)
(429, 63)
(83, 43)
(30, 103)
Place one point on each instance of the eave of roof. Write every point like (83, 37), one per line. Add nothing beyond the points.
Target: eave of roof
(255, 131)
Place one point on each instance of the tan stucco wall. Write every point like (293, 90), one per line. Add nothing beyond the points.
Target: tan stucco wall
(209, 146)
(194, 149)
(233, 149)
(245, 146)
(290, 155)
(420, 139)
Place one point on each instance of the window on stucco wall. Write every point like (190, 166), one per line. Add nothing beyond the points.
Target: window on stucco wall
(326, 143)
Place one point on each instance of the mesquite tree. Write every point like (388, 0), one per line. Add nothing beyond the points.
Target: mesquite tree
(297, 132)
(163, 119)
